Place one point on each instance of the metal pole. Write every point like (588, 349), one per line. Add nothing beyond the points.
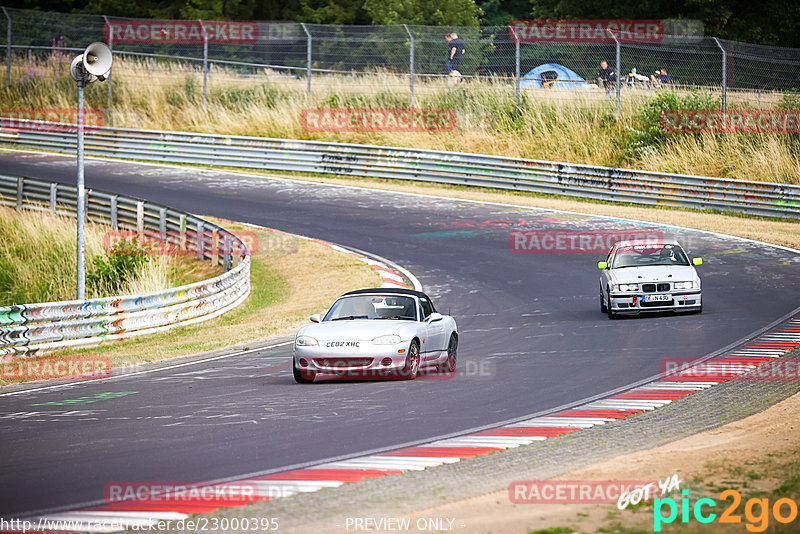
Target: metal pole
(516, 71)
(308, 59)
(724, 75)
(81, 274)
(111, 46)
(411, 67)
(619, 72)
(205, 63)
(8, 48)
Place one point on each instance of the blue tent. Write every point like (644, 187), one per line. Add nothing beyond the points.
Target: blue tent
(560, 76)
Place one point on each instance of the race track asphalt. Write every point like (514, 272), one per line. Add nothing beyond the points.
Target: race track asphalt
(532, 339)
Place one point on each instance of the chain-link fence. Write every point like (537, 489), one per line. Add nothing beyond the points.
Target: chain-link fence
(401, 58)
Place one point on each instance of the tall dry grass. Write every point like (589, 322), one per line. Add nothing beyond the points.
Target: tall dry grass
(37, 260)
(573, 126)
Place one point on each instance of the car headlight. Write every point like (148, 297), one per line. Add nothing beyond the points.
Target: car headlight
(305, 341)
(687, 285)
(626, 287)
(391, 339)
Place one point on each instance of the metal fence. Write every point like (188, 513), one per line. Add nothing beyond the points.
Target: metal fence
(410, 57)
(585, 181)
(26, 329)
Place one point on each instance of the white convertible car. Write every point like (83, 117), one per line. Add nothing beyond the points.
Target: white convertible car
(376, 333)
(647, 276)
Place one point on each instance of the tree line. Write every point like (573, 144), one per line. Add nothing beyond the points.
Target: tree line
(767, 22)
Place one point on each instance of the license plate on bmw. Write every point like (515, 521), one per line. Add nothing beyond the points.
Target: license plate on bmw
(656, 298)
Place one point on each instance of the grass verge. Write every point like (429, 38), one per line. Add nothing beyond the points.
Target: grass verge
(37, 262)
(578, 127)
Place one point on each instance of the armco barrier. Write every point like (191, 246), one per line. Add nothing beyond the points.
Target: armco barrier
(26, 329)
(602, 183)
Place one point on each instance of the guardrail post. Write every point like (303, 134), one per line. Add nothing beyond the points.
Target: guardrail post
(20, 185)
(205, 63)
(724, 75)
(140, 217)
(53, 198)
(410, 66)
(162, 223)
(200, 240)
(214, 248)
(227, 252)
(114, 214)
(183, 231)
(8, 48)
(308, 59)
(236, 253)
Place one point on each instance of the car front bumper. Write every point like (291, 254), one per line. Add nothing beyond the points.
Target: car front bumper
(632, 303)
(372, 361)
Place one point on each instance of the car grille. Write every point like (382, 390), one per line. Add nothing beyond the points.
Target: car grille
(656, 304)
(652, 288)
(343, 363)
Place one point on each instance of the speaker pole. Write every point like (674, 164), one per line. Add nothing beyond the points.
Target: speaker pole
(81, 215)
(94, 64)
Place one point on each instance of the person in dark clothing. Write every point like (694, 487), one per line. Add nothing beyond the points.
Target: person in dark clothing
(606, 76)
(455, 52)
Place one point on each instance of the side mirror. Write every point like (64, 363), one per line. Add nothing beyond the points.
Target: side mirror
(697, 261)
(602, 265)
(432, 318)
(316, 318)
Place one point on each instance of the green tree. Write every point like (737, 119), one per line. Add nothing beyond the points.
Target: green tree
(423, 12)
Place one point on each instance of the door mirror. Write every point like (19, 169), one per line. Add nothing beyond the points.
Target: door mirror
(697, 261)
(316, 318)
(602, 265)
(432, 318)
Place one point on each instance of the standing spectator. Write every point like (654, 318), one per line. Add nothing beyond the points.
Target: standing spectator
(455, 53)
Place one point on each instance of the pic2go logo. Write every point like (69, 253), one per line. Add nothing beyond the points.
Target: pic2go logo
(756, 511)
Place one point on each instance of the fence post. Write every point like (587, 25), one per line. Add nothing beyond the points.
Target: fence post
(619, 71)
(411, 67)
(205, 62)
(308, 59)
(724, 75)
(111, 46)
(8, 48)
(516, 60)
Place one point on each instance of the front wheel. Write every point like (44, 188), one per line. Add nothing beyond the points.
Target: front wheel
(301, 376)
(452, 350)
(411, 368)
(611, 314)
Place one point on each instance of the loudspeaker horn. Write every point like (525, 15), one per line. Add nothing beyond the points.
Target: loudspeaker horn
(97, 59)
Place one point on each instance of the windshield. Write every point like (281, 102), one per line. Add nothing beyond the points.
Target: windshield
(373, 307)
(641, 256)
